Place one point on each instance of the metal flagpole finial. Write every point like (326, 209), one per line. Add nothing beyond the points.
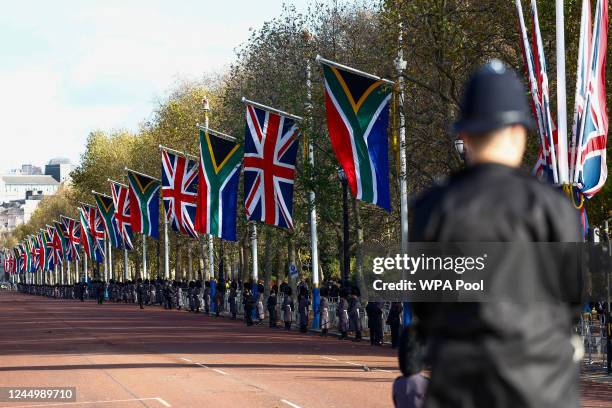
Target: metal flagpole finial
(205, 104)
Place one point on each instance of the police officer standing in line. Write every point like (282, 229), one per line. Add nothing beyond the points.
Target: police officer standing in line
(502, 353)
(140, 293)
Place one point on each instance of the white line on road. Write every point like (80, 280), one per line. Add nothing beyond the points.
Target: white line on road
(355, 364)
(161, 401)
(205, 366)
(164, 403)
(291, 404)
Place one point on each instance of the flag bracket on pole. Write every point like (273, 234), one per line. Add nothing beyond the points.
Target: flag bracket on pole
(352, 70)
(216, 133)
(142, 174)
(269, 108)
(184, 154)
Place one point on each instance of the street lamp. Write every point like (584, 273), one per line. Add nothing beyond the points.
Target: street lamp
(460, 147)
(608, 247)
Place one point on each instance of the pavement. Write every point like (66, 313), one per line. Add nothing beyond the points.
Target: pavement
(117, 355)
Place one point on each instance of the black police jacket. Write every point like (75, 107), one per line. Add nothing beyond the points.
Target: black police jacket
(498, 354)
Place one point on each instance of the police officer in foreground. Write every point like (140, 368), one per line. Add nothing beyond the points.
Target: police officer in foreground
(504, 353)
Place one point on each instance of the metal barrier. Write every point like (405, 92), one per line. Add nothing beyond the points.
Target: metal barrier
(593, 335)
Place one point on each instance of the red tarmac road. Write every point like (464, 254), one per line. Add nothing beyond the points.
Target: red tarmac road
(119, 356)
(158, 358)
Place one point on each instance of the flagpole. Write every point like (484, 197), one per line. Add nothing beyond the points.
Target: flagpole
(314, 247)
(255, 271)
(76, 269)
(84, 265)
(105, 265)
(68, 273)
(400, 66)
(211, 260)
(561, 98)
(110, 260)
(166, 249)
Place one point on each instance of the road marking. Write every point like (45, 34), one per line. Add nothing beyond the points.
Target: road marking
(356, 364)
(161, 401)
(291, 404)
(164, 403)
(205, 366)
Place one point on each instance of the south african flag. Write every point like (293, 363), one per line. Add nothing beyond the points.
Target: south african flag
(219, 172)
(144, 196)
(357, 121)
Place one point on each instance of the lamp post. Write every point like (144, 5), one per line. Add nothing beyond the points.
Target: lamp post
(460, 147)
(608, 247)
(345, 229)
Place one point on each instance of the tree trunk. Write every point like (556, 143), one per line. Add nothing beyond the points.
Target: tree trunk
(179, 259)
(267, 262)
(291, 261)
(244, 258)
(189, 262)
(278, 267)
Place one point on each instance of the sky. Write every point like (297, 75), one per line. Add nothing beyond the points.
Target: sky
(70, 67)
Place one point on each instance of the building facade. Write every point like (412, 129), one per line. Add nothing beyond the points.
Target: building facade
(59, 168)
(21, 187)
(15, 213)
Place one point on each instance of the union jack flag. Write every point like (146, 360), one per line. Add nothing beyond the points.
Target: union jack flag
(180, 192)
(270, 150)
(121, 199)
(546, 165)
(592, 126)
(73, 234)
(54, 247)
(41, 248)
(92, 231)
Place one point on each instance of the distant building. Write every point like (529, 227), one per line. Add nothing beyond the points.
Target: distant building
(26, 170)
(59, 168)
(20, 187)
(15, 213)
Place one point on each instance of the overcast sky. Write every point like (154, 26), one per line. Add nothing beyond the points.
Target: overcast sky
(69, 67)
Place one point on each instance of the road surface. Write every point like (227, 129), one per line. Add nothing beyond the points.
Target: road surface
(117, 355)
